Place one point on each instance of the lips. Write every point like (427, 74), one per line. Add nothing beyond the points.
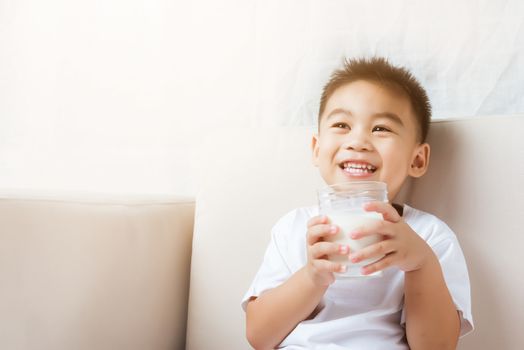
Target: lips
(357, 168)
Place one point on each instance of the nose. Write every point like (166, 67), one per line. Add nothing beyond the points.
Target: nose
(358, 141)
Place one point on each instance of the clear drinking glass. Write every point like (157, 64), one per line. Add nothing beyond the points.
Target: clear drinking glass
(342, 204)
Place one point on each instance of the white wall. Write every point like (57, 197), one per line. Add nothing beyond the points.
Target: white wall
(120, 96)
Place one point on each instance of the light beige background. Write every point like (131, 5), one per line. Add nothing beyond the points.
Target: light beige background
(119, 96)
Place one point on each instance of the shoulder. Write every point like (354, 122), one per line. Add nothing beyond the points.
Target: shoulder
(439, 236)
(428, 226)
(288, 236)
(292, 226)
(294, 220)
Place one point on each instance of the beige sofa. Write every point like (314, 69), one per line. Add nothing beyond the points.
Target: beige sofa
(121, 274)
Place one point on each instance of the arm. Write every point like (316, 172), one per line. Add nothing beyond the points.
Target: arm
(432, 320)
(275, 313)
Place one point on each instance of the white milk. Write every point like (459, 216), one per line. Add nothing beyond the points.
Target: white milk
(348, 221)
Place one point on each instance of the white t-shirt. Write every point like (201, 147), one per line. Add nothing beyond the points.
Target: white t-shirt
(359, 313)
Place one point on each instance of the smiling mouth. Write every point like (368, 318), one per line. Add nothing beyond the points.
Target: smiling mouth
(358, 168)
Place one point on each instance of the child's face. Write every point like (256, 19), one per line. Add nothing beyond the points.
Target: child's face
(369, 132)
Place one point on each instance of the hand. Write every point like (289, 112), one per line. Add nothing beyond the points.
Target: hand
(401, 247)
(319, 268)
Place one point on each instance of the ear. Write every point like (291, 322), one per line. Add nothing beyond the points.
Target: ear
(314, 149)
(420, 160)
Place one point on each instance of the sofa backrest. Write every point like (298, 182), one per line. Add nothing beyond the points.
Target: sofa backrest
(255, 176)
(475, 184)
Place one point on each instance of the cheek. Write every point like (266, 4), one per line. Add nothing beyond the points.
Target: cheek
(327, 147)
(397, 158)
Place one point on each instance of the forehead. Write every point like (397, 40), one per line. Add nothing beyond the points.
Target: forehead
(365, 98)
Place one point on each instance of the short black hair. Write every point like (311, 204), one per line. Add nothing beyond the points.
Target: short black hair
(379, 70)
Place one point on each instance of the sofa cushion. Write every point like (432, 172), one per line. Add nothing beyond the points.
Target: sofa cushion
(255, 176)
(474, 183)
(251, 178)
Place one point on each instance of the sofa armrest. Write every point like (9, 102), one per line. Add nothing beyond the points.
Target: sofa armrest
(94, 275)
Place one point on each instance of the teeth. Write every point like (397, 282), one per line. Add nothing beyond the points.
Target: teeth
(356, 166)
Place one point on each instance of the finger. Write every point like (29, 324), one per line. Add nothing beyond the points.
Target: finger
(316, 220)
(315, 233)
(388, 212)
(321, 249)
(380, 265)
(381, 248)
(323, 265)
(376, 226)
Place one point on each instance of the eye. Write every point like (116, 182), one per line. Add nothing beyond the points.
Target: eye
(341, 125)
(380, 128)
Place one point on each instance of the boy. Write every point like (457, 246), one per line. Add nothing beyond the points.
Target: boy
(373, 121)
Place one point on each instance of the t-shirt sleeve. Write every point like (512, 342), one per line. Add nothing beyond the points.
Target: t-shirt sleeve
(273, 271)
(455, 273)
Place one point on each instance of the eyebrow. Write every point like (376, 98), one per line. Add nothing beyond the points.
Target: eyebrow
(388, 115)
(391, 116)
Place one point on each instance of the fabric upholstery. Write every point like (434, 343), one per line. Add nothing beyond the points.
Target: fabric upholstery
(99, 275)
(255, 177)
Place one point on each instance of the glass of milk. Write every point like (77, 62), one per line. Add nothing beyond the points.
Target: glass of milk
(342, 204)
